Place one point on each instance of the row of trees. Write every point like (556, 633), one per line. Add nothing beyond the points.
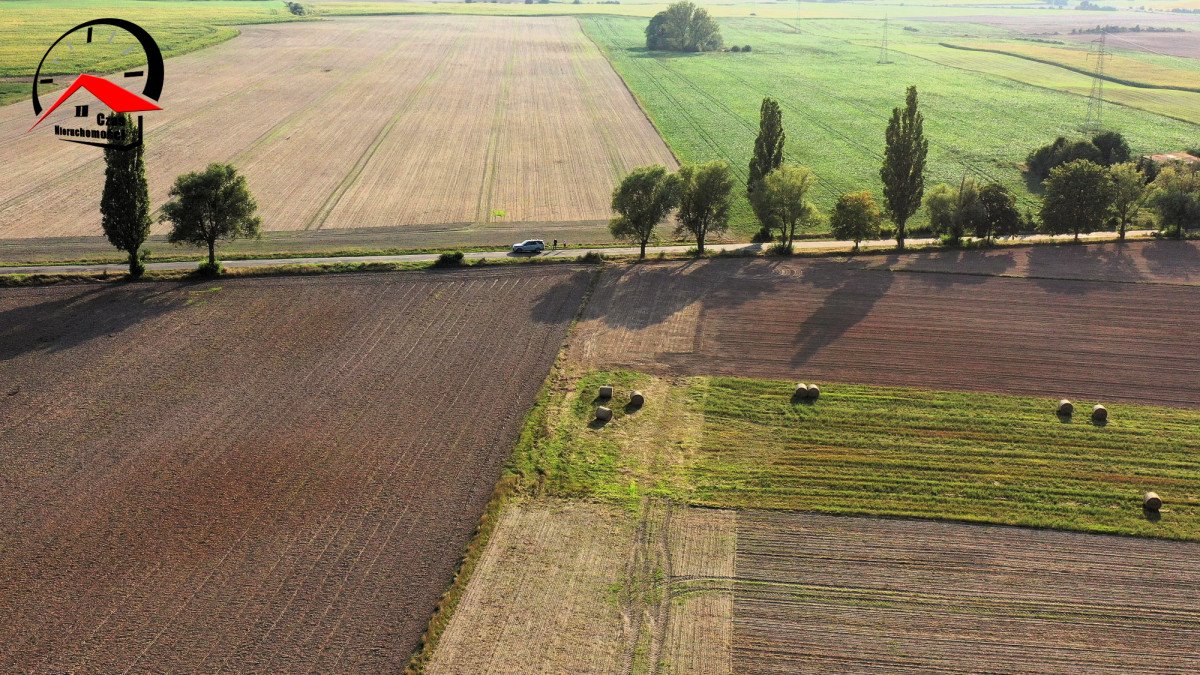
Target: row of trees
(777, 191)
(1082, 195)
(1088, 184)
(204, 206)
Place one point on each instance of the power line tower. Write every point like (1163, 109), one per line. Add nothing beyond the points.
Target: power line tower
(883, 46)
(1095, 120)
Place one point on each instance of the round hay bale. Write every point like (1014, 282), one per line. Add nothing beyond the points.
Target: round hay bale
(603, 414)
(1152, 502)
(1099, 413)
(813, 392)
(1065, 408)
(801, 391)
(606, 391)
(637, 400)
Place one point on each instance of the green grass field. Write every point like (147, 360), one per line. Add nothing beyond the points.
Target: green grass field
(739, 443)
(836, 100)
(29, 27)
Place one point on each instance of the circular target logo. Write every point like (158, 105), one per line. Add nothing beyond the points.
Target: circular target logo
(86, 47)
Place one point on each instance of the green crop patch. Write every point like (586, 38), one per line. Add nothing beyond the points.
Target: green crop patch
(983, 112)
(741, 443)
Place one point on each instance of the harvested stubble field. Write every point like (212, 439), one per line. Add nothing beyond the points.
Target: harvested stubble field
(433, 123)
(869, 320)
(579, 587)
(823, 593)
(270, 474)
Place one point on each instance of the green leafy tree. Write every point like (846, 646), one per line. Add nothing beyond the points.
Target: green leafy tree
(641, 201)
(903, 171)
(1112, 147)
(1175, 197)
(210, 205)
(705, 193)
(855, 217)
(125, 202)
(768, 155)
(656, 32)
(784, 197)
(1078, 198)
(999, 217)
(940, 202)
(1061, 151)
(683, 27)
(954, 211)
(968, 209)
(1129, 189)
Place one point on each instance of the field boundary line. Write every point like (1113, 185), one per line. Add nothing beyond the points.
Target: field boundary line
(640, 104)
(511, 485)
(1109, 101)
(1075, 69)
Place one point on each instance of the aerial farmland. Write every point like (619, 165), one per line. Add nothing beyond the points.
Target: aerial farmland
(599, 337)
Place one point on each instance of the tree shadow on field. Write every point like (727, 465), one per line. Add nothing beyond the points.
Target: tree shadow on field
(1071, 269)
(646, 295)
(643, 53)
(558, 303)
(1174, 260)
(944, 269)
(70, 317)
(853, 293)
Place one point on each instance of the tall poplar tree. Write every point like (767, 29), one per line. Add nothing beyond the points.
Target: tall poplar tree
(903, 171)
(768, 155)
(125, 202)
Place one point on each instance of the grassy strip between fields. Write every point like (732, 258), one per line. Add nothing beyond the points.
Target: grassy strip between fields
(741, 443)
(514, 481)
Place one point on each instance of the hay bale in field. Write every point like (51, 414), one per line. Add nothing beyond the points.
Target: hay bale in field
(1065, 408)
(801, 391)
(637, 400)
(603, 414)
(1099, 413)
(1152, 502)
(813, 392)
(606, 391)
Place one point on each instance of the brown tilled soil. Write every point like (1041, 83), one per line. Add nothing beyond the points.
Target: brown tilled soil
(1050, 330)
(829, 594)
(431, 123)
(265, 474)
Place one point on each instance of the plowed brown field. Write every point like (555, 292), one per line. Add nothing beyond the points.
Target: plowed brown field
(830, 594)
(1049, 330)
(274, 475)
(431, 122)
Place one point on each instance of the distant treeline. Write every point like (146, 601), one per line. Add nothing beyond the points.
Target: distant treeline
(1124, 29)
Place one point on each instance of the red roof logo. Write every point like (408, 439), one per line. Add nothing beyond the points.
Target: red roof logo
(116, 98)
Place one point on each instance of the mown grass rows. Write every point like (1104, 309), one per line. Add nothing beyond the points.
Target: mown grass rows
(883, 451)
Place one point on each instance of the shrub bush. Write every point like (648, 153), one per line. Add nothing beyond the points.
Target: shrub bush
(207, 271)
(735, 48)
(454, 259)
(746, 48)
(591, 257)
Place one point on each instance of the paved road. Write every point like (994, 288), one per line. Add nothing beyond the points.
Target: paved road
(812, 246)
